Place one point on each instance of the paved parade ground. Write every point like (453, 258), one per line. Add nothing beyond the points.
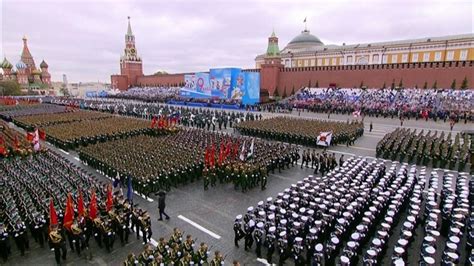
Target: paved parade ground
(209, 215)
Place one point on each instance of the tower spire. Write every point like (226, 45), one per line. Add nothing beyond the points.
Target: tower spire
(129, 29)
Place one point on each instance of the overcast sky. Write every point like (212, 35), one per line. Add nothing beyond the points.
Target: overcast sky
(84, 39)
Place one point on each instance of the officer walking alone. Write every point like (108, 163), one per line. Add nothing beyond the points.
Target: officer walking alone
(162, 205)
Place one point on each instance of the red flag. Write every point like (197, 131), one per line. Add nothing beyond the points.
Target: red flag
(42, 134)
(30, 136)
(69, 213)
(3, 151)
(16, 143)
(213, 155)
(207, 156)
(153, 122)
(80, 204)
(53, 217)
(221, 154)
(93, 206)
(109, 201)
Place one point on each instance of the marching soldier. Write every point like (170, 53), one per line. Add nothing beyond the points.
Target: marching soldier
(202, 255)
(238, 232)
(78, 237)
(270, 243)
(20, 236)
(258, 235)
(4, 242)
(218, 259)
(56, 242)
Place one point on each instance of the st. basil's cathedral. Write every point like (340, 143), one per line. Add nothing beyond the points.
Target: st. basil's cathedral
(25, 72)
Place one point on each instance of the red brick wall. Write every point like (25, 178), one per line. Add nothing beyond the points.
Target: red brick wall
(119, 82)
(371, 76)
(161, 80)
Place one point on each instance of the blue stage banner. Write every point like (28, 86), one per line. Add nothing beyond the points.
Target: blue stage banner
(251, 88)
(202, 83)
(219, 80)
(237, 84)
(189, 81)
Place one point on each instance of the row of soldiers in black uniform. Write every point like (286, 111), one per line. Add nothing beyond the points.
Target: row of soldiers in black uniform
(117, 224)
(176, 251)
(323, 162)
(29, 183)
(327, 220)
(203, 118)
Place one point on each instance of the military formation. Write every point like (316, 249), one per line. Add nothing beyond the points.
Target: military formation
(8, 112)
(347, 217)
(302, 131)
(432, 148)
(12, 143)
(30, 122)
(210, 119)
(32, 187)
(160, 162)
(177, 250)
(72, 135)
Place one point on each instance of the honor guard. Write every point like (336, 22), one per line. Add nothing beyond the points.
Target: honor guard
(238, 232)
(258, 236)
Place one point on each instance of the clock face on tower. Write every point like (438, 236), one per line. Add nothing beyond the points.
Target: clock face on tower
(132, 51)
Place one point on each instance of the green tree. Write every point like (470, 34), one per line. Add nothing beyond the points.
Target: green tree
(283, 96)
(9, 88)
(453, 85)
(425, 86)
(393, 84)
(293, 90)
(435, 85)
(400, 84)
(361, 84)
(384, 85)
(317, 84)
(464, 83)
(309, 84)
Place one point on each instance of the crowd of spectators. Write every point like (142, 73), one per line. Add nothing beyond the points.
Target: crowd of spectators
(402, 103)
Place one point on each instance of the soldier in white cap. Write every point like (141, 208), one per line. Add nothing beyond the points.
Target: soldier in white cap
(270, 243)
(248, 229)
(258, 236)
(297, 251)
(282, 247)
(238, 233)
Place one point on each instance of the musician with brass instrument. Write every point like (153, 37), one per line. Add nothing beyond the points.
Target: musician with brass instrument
(147, 257)
(108, 234)
(201, 255)
(176, 237)
(98, 230)
(218, 259)
(57, 242)
(162, 248)
(119, 227)
(78, 237)
(185, 260)
(131, 260)
(188, 245)
(145, 221)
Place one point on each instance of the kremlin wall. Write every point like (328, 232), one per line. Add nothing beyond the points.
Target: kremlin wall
(306, 61)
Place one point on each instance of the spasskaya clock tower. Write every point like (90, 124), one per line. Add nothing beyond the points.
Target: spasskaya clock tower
(131, 65)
